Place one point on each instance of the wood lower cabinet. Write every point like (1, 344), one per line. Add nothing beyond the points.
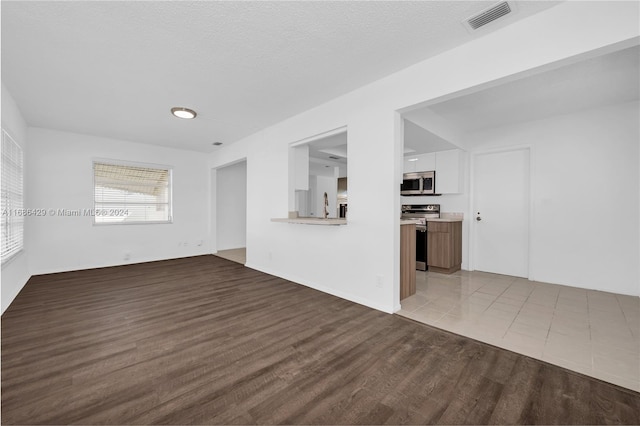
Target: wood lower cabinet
(407, 260)
(444, 246)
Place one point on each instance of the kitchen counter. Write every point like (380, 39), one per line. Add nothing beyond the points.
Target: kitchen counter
(312, 221)
(409, 221)
(448, 218)
(444, 239)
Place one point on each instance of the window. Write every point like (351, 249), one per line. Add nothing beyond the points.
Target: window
(12, 209)
(126, 194)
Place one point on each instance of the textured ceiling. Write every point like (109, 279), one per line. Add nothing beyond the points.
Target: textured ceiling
(114, 69)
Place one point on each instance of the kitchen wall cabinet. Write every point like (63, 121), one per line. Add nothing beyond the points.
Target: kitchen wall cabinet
(444, 246)
(449, 167)
(422, 163)
(409, 166)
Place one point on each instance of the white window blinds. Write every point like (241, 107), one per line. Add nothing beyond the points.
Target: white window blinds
(12, 198)
(131, 194)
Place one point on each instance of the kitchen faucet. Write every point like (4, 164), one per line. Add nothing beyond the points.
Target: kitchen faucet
(326, 204)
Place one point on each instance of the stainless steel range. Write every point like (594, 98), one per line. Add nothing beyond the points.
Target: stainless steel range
(420, 213)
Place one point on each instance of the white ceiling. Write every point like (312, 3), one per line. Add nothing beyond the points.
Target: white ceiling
(114, 69)
(418, 140)
(321, 151)
(604, 80)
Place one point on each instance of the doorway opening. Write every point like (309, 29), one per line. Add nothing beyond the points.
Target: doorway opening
(231, 212)
(318, 176)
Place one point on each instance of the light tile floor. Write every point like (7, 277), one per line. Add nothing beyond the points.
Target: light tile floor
(591, 332)
(238, 255)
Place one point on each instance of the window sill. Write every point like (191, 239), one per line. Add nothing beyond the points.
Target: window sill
(311, 221)
(133, 223)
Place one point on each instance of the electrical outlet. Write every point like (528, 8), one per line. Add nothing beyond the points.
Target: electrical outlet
(127, 255)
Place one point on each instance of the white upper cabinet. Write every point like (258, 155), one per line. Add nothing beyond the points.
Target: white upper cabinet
(449, 167)
(420, 163)
(409, 166)
(449, 171)
(426, 162)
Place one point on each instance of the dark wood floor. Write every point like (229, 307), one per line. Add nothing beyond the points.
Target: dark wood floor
(204, 340)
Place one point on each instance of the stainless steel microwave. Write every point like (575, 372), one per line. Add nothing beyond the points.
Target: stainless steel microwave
(418, 183)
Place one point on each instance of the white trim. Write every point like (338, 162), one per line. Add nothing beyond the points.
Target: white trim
(129, 163)
(319, 136)
(398, 130)
(157, 222)
(231, 163)
(343, 295)
(126, 163)
(85, 267)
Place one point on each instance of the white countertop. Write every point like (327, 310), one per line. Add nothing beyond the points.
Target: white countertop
(311, 221)
(408, 222)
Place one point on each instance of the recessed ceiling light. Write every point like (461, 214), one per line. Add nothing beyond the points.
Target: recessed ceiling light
(217, 143)
(412, 159)
(181, 112)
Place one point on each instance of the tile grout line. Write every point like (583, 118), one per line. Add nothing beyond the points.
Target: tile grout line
(517, 313)
(546, 339)
(519, 310)
(590, 333)
(626, 320)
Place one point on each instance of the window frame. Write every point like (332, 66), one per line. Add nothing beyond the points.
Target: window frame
(122, 163)
(12, 254)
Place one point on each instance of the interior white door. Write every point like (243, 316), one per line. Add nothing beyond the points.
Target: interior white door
(501, 212)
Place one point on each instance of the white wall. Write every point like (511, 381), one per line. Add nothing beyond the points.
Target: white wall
(60, 176)
(585, 195)
(15, 273)
(317, 256)
(360, 261)
(231, 193)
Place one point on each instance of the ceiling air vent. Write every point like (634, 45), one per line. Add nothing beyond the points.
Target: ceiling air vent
(488, 15)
